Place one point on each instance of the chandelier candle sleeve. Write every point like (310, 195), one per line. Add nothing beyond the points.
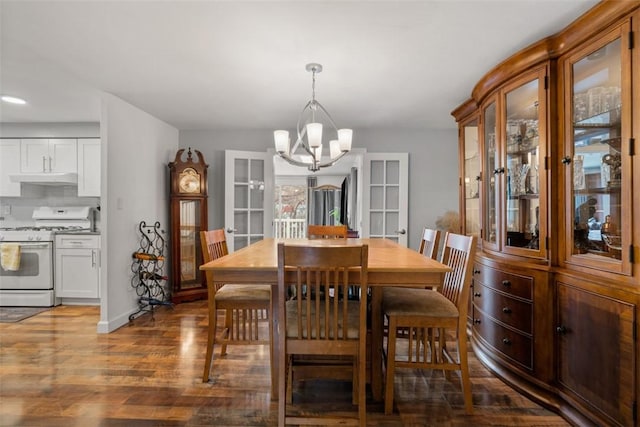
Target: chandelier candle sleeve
(281, 138)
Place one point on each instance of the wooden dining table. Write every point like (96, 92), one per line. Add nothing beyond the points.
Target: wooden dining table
(390, 264)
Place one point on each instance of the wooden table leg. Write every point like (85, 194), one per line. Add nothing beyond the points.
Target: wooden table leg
(377, 337)
(274, 342)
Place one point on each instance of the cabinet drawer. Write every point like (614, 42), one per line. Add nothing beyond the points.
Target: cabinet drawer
(70, 241)
(520, 286)
(507, 310)
(511, 344)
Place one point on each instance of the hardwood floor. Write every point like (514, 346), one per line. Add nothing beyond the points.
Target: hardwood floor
(55, 370)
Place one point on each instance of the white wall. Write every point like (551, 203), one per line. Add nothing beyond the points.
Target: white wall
(136, 149)
(433, 166)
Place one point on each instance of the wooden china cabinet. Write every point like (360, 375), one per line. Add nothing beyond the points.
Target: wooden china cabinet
(547, 179)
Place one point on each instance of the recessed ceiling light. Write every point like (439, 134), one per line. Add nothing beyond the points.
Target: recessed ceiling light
(13, 100)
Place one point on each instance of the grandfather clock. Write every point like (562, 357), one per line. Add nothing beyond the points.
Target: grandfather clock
(188, 216)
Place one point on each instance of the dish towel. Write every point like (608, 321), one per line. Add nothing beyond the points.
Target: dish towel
(10, 256)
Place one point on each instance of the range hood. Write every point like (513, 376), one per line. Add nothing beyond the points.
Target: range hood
(46, 178)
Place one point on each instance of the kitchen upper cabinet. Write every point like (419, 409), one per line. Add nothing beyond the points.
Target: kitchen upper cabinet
(9, 163)
(89, 167)
(49, 155)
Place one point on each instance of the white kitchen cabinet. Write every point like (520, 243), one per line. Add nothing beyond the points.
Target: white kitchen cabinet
(49, 155)
(9, 163)
(89, 167)
(77, 272)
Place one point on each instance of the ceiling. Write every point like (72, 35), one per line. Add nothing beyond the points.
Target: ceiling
(241, 64)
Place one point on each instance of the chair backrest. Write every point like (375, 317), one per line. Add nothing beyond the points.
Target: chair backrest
(429, 243)
(314, 270)
(458, 253)
(214, 246)
(326, 231)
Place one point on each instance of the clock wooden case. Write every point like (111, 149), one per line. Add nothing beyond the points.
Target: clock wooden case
(188, 216)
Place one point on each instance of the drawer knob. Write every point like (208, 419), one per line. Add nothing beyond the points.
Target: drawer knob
(506, 310)
(506, 341)
(477, 294)
(561, 330)
(506, 283)
(477, 321)
(476, 271)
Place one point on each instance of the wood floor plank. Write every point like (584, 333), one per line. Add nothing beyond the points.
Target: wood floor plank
(55, 370)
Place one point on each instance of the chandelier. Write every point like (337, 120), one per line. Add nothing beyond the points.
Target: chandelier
(309, 141)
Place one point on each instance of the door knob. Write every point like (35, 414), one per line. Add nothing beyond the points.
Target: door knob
(403, 231)
(231, 230)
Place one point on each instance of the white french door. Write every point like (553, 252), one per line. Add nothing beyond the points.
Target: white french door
(248, 212)
(386, 196)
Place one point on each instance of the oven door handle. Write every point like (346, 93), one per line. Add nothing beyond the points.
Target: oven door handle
(35, 245)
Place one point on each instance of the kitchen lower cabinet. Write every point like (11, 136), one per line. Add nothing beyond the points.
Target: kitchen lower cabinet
(596, 351)
(77, 271)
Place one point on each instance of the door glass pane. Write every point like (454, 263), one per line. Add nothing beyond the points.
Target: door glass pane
(241, 170)
(391, 223)
(522, 183)
(377, 200)
(393, 198)
(597, 162)
(241, 198)
(393, 172)
(377, 172)
(376, 224)
(241, 222)
(491, 166)
(471, 179)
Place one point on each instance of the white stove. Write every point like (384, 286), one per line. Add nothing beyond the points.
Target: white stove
(29, 282)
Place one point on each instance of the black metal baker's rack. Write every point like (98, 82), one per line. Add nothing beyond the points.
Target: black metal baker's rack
(148, 278)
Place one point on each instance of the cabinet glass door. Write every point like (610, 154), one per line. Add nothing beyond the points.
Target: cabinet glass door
(471, 178)
(524, 131)
(190, 248)
(493, 173)
(597, 169)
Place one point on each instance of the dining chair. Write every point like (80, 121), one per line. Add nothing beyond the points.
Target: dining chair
(320, 324)
(244, 305)
(326, 231)
(422, 311)
(429, 244)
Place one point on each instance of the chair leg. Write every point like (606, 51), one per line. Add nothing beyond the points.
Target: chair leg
(211, 339)
(391, 366)
(464, 370)
(227, 331)
(354, 381)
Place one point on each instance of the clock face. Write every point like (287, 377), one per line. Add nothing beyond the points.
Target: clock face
(189, 181)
